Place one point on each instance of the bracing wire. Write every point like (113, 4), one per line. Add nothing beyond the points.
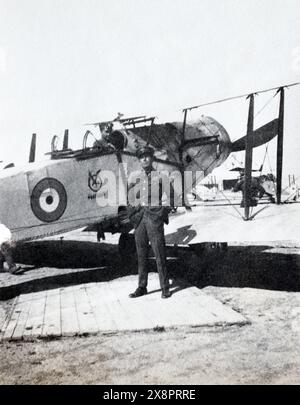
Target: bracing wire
(265, 105)
(241, 96)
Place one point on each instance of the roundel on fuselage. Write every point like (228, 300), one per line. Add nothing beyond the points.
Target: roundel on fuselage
(48, 200)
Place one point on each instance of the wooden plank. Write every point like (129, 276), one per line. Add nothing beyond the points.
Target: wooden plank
(107, 307)
(199, 312)
(101, 309)
(86, 320)
(7, 319)
(220, 311)
(69, 319)
(132, 316)
(149, 309)
(20, 327)
(158, 310)
(114, 309)
(29, 297)
(176, 310)
(140, 319)
(35, 319)
(52, 319)
(3, 318)
(12, 322)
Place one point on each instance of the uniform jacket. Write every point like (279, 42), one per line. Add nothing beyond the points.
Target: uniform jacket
(145, 196)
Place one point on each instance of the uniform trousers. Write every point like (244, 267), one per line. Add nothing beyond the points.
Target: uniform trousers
(152, 231)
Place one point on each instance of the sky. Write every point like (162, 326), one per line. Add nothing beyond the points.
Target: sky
(64, 63)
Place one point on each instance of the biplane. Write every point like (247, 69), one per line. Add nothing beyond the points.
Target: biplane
(59, 194)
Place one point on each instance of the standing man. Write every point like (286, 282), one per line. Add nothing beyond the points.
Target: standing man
(148, 219)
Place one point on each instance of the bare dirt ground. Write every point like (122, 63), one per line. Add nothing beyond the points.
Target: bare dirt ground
(264, 352)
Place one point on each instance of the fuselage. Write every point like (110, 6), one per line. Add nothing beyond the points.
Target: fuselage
(58, 195)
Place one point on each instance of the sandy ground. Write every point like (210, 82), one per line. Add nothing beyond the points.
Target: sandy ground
(264, 352)
(261, 282)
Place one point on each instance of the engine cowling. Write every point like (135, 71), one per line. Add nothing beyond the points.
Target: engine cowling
(206, 145)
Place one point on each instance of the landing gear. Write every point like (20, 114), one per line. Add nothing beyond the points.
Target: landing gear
(127, 247)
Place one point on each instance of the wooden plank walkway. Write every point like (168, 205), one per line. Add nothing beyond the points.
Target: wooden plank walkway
(103, 307)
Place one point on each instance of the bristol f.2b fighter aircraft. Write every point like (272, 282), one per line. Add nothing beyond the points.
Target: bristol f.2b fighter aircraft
(58, 194)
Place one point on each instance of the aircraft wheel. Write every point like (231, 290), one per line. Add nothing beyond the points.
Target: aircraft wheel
(127, 247)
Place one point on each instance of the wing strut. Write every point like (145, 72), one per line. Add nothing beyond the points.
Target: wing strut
(248, 158)
(32, 149)
(181, 155)
(66, 140)
(280, 146)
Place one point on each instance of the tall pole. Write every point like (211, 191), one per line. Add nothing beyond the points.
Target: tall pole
(280, 146)
(248, 158)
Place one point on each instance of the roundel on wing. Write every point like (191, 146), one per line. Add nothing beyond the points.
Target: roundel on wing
(48, 200)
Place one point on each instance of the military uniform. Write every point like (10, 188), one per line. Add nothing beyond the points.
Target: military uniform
(148, 216)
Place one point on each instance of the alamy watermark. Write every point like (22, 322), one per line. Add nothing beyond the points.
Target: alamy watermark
(139, 188)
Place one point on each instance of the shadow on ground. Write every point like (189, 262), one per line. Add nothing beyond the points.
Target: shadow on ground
(240, 266)
(53, 264)
(65, 254)
(244, 266)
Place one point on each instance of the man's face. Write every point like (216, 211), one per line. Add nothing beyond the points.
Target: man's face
(146, 161)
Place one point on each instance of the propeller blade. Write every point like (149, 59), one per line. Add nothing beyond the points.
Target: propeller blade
(261, 136)
(66, 140)
(32, 149)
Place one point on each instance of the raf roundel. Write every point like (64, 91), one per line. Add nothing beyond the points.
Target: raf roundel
(48, 200)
